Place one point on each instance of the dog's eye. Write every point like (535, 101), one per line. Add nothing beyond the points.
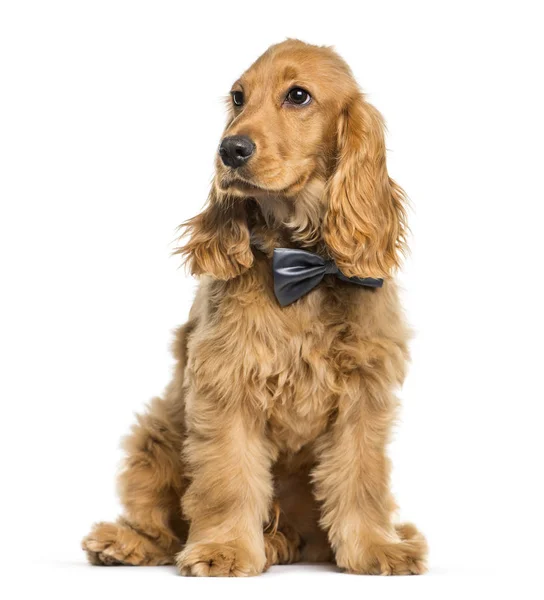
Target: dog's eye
(237, 98)
(298, 96)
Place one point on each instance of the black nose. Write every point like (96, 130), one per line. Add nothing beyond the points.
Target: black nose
(235, 150)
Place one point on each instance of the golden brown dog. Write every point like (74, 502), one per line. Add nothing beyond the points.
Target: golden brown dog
(269, 445)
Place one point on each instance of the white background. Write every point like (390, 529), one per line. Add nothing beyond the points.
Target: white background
(110, 114)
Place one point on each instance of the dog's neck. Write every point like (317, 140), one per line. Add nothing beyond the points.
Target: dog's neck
(277, 221)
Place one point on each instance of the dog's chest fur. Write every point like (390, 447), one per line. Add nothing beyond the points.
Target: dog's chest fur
(291, 365)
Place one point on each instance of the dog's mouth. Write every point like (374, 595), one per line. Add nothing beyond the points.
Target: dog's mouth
(234, 183)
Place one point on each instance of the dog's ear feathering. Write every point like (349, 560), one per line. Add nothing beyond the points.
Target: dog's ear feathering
(365, 225)
(217, 239)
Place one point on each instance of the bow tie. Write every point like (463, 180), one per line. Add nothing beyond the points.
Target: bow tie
(297, 272)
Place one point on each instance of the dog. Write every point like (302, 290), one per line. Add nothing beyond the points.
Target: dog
(269, 445)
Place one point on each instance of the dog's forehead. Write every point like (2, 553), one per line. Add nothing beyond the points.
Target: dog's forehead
(273, 72)
(301, 63)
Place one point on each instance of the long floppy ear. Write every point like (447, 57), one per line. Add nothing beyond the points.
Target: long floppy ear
(218, 243)
(365, 224)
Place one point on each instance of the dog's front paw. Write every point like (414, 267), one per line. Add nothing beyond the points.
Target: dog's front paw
(407, 556)
(218, 560)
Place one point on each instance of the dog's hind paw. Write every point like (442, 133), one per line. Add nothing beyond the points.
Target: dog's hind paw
(118, 544)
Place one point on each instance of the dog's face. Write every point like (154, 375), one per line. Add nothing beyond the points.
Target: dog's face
(301, 138)
(283, 113)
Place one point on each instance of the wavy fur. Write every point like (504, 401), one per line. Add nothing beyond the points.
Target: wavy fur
(269, 445)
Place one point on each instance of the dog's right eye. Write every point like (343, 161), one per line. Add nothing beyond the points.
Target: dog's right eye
(237, 98)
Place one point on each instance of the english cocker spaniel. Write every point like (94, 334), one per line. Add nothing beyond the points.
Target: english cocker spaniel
(269, 445)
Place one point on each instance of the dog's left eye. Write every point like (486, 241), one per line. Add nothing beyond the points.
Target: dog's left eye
(298, 96)
(237, 98)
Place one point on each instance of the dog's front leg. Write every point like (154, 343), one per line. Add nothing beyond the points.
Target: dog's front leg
(228, 500)
(352, 483)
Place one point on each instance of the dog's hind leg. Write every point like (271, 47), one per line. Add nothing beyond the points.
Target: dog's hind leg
(151, 530)
(299, 517)
(281, 545)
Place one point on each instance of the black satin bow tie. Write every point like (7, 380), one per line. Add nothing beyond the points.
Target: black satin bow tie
(296, 272)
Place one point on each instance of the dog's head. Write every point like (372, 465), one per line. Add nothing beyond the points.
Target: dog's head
(303, 142)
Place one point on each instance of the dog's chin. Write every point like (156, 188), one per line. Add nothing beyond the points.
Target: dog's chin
(235, 185)
(242, 188)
